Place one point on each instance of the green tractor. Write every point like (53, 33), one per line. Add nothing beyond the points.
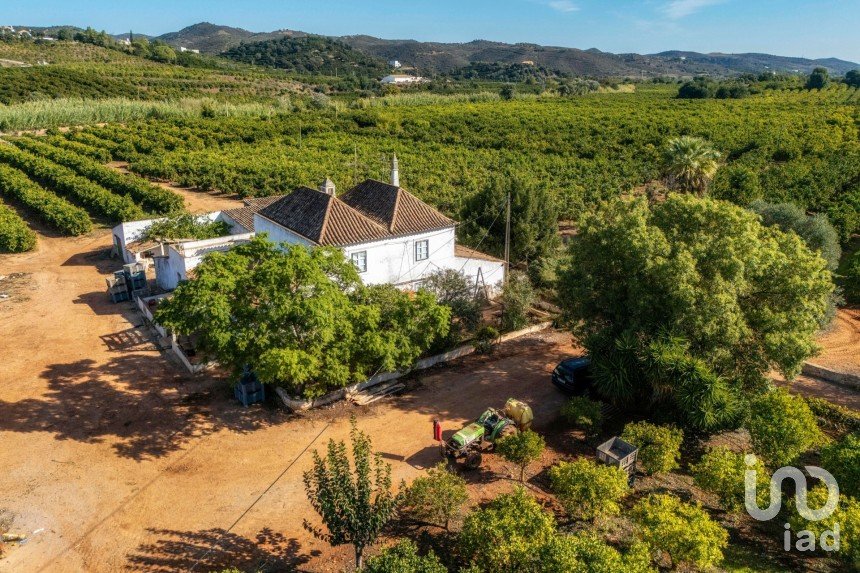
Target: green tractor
(469, 443)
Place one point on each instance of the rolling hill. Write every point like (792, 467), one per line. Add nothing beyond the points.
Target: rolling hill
(443, 58)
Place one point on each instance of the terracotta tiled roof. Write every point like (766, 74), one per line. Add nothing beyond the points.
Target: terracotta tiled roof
(323, 219)
(400, 212)
(245, 215)
(467, 253)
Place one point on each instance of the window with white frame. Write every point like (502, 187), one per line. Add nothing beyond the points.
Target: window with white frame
(359, 259)
(422, 250)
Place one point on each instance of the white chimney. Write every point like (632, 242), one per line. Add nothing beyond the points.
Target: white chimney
(327, 187)
(395, 172)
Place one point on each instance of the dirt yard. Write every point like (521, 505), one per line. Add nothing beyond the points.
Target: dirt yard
(114, 459)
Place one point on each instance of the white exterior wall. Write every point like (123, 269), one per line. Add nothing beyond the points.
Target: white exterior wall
(393, 260)
(492, 272)
(126, 233)
(172, 269)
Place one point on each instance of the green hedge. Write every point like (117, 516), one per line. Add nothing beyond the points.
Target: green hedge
(152, 197)
(15, 235)
(96, 199)
(53, 210)
(95, 153)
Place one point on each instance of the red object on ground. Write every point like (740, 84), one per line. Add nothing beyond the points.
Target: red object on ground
(437, 431)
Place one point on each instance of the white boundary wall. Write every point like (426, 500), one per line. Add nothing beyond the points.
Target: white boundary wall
(298, 404)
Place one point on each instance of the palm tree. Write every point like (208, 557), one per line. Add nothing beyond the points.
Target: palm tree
(690, 163)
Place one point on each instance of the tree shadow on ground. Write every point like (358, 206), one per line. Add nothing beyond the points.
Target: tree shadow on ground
(216, 549)
(135, 402)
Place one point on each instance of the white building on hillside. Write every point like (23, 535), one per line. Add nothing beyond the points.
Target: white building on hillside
(401, 79)
(389, 234)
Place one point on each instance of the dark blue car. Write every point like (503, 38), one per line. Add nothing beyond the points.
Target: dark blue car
(573, 375)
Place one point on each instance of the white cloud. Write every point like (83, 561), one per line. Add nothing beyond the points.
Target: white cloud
(563, 5)
(677, 9)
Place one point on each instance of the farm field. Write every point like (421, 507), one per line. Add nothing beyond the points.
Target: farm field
(783, 145)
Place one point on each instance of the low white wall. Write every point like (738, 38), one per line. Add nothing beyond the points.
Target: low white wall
(840, 378)
(298, 404)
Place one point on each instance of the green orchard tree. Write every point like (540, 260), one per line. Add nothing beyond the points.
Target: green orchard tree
(300, 317)
(355, 501)
(436, 498)
(521, 449)
(782, 427)
(690, 302)
(721, 472)
(507, 534)
(683, 531)
(588, 490)
(403, 558)
(534, 218)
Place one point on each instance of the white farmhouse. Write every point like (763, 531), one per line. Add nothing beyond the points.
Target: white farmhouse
(401, 79)
(389, 234)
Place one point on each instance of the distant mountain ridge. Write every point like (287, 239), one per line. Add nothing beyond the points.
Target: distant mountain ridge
(439, 57)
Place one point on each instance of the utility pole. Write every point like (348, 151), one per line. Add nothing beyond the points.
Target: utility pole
(508, 237)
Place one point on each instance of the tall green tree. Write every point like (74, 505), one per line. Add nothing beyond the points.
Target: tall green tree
(300, 317)
(355, 501)
(534, 218)
(690, 164)
(818, 79)
(690, 303)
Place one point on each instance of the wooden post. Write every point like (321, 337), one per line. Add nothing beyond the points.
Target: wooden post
(508, 238)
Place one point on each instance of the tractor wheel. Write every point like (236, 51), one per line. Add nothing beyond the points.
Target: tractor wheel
(473, 460)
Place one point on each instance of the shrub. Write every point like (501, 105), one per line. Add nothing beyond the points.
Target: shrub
(517, 296)
(485, 339)
(721, 472)
(659, 446)
(436, 498)
(782, 427)
(588, 553)
(15, 235)
(583, 413)
(846, 516)
(842, 459)
(507, 534)
(685, 532)
(588, 490)
(521, 449)
(834, 416)
(53, 210)
(403, 558)
(185, 226)
(852, 278)
(455, 291)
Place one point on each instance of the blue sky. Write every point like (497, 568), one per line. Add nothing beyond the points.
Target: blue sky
(786, 27)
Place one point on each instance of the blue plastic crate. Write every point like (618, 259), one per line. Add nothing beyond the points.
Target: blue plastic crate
(249, 391)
